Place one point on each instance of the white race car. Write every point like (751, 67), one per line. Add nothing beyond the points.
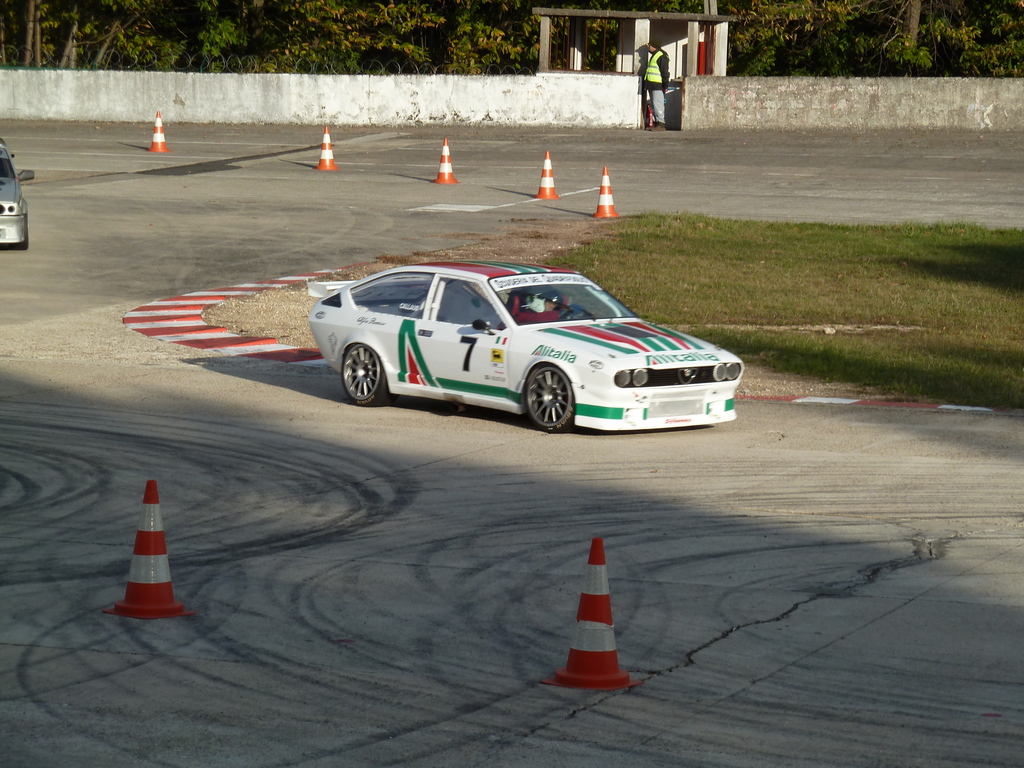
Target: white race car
(543, 341)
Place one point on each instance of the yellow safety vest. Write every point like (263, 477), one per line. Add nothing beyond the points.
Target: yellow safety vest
(653, 74)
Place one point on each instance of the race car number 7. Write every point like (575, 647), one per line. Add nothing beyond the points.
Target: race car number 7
(471, 340)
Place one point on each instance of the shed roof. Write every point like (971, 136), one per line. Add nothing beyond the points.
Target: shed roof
(594, 14)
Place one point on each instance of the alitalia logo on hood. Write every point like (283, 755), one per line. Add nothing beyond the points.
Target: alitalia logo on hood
(555, 354)
(687, 357)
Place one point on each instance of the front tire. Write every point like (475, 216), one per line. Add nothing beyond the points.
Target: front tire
(363, 379)
(550, 402)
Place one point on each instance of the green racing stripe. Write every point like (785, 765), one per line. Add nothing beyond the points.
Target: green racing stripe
(600, 411)
(480, 389)
(519, 269)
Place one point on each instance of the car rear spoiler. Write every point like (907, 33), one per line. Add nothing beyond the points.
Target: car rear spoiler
(320, 290)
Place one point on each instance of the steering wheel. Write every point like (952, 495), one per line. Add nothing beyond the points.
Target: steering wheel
(574, 312)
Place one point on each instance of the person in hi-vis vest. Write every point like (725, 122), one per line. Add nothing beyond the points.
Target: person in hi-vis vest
(655, 80)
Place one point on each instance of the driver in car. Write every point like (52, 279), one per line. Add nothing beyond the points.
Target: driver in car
(538, 308)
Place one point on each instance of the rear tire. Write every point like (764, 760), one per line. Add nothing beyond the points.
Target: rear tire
(363, 378)
(549, 399)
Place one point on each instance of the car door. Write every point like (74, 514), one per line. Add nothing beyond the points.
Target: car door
(465, 360)
(385, 315)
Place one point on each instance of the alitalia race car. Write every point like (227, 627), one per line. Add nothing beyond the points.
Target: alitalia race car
(543, 341)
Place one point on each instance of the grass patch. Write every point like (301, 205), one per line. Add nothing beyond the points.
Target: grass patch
(932, 312)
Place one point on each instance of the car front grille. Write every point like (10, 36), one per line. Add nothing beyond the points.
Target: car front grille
(673, 377)
(670, 408)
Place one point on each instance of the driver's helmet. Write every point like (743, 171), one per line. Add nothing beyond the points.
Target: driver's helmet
(537, 301)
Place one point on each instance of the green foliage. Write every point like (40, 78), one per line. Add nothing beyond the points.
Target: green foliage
(864, 38)
(871, 38)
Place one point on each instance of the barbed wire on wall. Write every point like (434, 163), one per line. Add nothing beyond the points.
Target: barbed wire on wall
(109, 60)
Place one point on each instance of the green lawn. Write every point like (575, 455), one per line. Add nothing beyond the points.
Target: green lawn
(930, 312)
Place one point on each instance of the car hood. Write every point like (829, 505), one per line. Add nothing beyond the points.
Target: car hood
(10, 190)
(633, 342)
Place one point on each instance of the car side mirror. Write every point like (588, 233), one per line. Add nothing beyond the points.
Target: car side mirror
(482, 325)
(26, 175)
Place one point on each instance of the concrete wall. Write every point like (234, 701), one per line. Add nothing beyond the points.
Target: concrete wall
(556, 99)
(820, 103)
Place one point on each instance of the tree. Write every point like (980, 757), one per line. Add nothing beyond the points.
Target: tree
(982, 38)
(866, 38)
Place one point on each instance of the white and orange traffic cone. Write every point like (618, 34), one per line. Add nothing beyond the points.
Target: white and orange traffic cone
(593, 659)
(605, 204)
(326, 154)
(149, 594)
(158, 144)
(444, 172)
(547, 181)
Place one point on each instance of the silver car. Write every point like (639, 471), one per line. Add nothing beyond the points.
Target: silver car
(13, 207)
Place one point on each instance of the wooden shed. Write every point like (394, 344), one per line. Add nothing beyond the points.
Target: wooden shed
(577, 40)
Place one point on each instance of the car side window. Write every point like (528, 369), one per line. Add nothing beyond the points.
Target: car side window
(463, 301)
(403, 294)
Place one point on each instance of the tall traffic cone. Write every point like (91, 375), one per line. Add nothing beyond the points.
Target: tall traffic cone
(605, 205)
(149, 594)
(326, 154)
(444, 172)
(547, 181)
(593, 659)
(158, 144)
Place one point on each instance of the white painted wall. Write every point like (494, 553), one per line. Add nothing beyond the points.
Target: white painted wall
(553, 99)
(550, 99)
(823, 103)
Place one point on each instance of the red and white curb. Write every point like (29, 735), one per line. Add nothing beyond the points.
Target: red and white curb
(179, 320)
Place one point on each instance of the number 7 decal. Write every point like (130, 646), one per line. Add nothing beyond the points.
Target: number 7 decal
(471, 340)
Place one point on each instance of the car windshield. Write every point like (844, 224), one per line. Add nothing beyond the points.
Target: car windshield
(6, 168)
(549, 302)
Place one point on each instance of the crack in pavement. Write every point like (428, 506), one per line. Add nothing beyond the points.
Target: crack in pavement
(923, 550)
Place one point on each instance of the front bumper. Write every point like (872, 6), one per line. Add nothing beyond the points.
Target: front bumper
(656, 409)
(12, 228)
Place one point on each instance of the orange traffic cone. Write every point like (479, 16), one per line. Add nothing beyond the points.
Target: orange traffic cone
(605, 205)
(444, 173)
(158, 145)
(326, 154)
(593, 659)
(149, 594)
(547, 181)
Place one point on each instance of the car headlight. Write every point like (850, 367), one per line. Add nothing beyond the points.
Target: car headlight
(11, 208)
(726, 371)
(637, 378)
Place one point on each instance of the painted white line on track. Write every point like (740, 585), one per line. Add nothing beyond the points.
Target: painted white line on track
(165, 324)
(162, 313)
(249, 349)
(455, 207)
(196, 335)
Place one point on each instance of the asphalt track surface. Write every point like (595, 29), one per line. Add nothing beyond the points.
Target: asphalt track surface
(802, 587)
